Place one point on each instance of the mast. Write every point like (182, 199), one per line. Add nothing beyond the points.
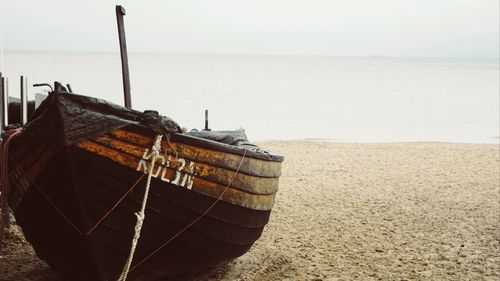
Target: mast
(120, 12)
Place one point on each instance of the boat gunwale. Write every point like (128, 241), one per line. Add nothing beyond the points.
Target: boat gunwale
(211, 144)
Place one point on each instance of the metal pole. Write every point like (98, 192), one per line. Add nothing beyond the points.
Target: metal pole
(24, 100)
(120, 12)
(206, 120)
(5, 101)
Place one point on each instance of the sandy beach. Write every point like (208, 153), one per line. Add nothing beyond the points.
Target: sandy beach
(393, 211)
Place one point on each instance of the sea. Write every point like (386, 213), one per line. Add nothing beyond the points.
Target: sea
(316, 98)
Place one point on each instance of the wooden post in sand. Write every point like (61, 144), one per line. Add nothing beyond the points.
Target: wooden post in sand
(4, 206)
(1, 102)
(2, 195)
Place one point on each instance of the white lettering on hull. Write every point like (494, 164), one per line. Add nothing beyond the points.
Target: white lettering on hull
(181, 178)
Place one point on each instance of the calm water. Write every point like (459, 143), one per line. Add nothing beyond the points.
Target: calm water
(291, 97)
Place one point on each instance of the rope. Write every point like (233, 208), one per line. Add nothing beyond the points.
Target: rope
(197, 219)
(39, 189)
(140, 215)
(171, 147)
(124, 195)
(114, 206)
(46, 197)
(4, 218)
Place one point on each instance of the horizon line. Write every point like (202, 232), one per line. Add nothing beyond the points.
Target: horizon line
(246, 54)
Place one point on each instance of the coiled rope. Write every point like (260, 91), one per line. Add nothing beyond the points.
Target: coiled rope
(141, 215)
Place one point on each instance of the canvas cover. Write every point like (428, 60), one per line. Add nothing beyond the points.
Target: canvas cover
(65, 118)
(234, 138)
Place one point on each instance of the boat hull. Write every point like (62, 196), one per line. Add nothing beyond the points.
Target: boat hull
(224, 233)
(77, 175)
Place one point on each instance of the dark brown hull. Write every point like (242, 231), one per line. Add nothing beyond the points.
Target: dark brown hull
(225, 233)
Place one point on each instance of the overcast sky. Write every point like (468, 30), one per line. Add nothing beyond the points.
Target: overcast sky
(408, 28)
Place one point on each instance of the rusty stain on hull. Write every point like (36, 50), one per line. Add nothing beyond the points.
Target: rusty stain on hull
(247, 191)
(220, 174)
(249, 166)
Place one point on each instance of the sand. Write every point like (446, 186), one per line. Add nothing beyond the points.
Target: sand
(402, 211)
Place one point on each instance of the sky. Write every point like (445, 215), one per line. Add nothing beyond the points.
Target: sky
(397, 28)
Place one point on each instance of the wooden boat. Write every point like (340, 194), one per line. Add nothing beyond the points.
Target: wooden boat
(77, 174)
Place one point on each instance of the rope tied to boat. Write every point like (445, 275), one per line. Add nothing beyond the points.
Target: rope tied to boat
(4, 188)
(217, 200)
(54, 205)
(141, 214)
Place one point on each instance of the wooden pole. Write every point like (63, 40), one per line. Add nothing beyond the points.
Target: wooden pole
(1, 102)
(3, 214)
(120, 12)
